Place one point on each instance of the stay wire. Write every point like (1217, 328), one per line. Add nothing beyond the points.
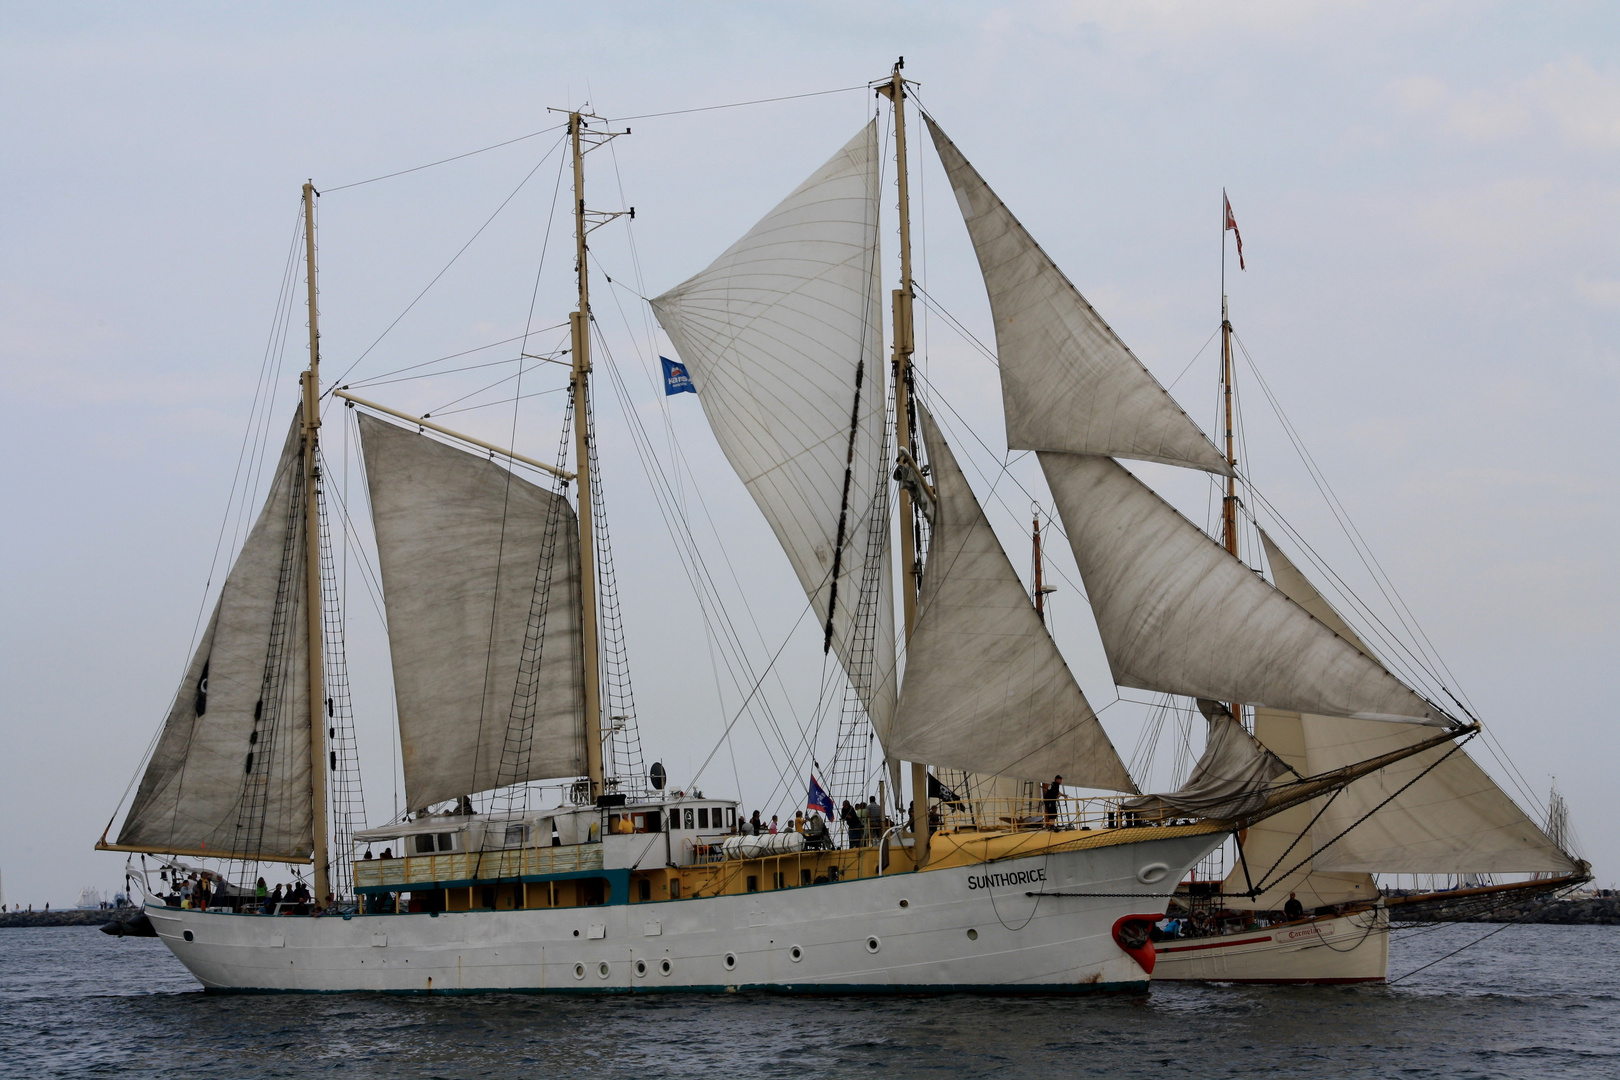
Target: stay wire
(461, 251)
(443, 161)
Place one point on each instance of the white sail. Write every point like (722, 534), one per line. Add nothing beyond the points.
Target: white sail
(1067, 381)
(1453, 818)
(1280, 848)
(1179, 614)
(229, 775)
(461, 542)
(782, 337)
(986, 689)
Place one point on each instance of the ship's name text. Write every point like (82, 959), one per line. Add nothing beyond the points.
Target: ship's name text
(996, 881)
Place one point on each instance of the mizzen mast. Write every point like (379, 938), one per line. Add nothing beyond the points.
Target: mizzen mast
(905, 440)
(310, 437)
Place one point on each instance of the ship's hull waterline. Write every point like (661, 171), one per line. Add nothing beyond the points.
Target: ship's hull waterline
(1350, 948)
(962, 929)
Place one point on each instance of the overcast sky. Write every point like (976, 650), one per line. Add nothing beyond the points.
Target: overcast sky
(1431, 220)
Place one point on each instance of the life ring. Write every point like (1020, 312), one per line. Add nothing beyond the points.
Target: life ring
(1134, 935)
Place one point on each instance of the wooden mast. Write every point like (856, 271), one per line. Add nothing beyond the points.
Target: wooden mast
(1040, 583)
(1229, 533)
(310, 437)
(904, 346)
(580, 326)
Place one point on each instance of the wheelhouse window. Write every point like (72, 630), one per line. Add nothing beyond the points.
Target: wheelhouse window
(731, 817)
(690, 823)
(703, 817)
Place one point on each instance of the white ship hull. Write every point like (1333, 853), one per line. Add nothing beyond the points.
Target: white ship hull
(1331, 949)
(964, 928)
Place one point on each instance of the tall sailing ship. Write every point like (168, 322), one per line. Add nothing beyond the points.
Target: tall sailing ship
(493, 575)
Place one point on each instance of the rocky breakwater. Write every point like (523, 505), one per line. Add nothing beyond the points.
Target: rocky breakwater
(1600, 910)
(67, 917)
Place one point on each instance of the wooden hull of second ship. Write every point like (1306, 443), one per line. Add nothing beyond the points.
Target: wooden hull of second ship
(972, 928)
(1349, 948)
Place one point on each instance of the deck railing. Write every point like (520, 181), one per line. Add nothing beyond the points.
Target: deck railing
(476, 865)
(1003, 814)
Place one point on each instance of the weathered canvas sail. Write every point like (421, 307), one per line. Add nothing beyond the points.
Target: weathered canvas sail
(230, 773)
(1453, 820)
(986, 689)
(1178, 614)
(1279, 849)
(782, 337)
(1232, 777)
(461, 542)
(1067, 381)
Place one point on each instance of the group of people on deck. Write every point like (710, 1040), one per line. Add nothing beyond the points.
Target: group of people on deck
(865, 824)
(200, 891)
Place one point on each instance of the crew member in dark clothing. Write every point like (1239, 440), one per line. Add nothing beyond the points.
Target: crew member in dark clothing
(1052, 793)
(1294, 909)
(852, 820)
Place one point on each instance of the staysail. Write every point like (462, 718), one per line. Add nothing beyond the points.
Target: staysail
(1453, 819)
(476, 562)
(782, 337)
(229, 776)
(1067, 381)
(986, 689)
(1178, 614)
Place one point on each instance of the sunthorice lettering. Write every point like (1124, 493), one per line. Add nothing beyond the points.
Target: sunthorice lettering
(996, 881)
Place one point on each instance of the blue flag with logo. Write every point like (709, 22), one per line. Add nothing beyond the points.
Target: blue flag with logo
(676, 380)
(819, 799)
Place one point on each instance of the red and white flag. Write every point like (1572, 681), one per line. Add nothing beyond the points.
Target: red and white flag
(1231, 223)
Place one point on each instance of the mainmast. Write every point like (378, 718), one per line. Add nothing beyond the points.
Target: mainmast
(312, 567)
(580, 325)
(904, 346)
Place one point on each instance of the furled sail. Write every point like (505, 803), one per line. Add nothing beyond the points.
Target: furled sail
(470, 553)
(1233, 775)
(986, 689)
(1453, 819)
(782, 337)
(1178, 614)
(229, 775)
(1067, 381)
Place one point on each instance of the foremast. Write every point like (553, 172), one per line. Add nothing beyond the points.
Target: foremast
(905, 439)
(310, 438)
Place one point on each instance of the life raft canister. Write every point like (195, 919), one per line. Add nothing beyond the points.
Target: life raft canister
(1134, 935)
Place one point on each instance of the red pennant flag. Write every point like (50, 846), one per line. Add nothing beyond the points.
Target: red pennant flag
(1231, 223)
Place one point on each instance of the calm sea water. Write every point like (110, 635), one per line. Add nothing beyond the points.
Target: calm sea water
(1533, 1001)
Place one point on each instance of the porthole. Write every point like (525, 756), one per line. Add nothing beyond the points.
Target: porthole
(873, 944)
(576, 933)
(731, 961)
(905, 903)
(187, 935)
(1152, 873)
(641, 968)
(795, 954)
(665, 967)
(603, 969)
(973, 935)
(579, 971)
